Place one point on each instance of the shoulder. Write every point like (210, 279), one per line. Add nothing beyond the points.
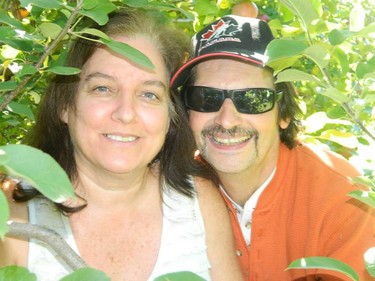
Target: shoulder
(219, 235)
(12, 250)
(208, 194)
(18, 210)
(212, 205)
(325, 158)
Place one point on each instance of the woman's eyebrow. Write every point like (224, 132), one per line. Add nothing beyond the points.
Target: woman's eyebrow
(156, 83)
(98, 75)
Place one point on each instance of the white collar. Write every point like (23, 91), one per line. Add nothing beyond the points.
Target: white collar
(244, 214)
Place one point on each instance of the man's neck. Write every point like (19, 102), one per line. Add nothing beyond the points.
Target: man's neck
(241, 186)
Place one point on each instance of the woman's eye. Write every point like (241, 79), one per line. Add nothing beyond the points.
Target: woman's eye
(101, 89)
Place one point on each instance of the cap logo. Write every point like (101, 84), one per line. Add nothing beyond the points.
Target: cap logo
(220, 32)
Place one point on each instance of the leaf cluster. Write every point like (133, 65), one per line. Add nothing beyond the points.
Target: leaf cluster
(326, 48)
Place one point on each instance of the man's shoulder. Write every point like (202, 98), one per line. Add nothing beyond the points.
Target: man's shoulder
(321, 158)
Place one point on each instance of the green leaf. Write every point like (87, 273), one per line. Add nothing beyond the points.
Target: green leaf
(206, 7)
(6, 32)
(336, 37)
(90, 4)
(317, 120)
(180, 276)
(284, 48)
(4, 18)
(3, 156)
(45, 4)
(282, 64)
(4, 214)
(157, 5)
(368, 31)
(95, 32)
(21, 109)
(367, 197)
(345, 139)
(35, 96)
(364, 68)
(100, 13)
(370, 98)
(27, 69)
(364, 181)
(50, 30)
(136, 3)
(341, 57)
(86, 274)
(19, 44)
(290, 75)
(40, 170)
(63, 70)
(370, 261)
(283, 53)
(146, 4)
(8, 86)
(334, 94)
(324, 263)
(129, 52)
(16, 273)
(302, 9)
(318, 54)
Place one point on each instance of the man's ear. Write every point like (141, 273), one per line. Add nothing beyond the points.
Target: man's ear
(284, 123)
(65, 115)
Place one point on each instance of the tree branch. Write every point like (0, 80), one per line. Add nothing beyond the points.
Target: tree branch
(51, 238)
(73, 16)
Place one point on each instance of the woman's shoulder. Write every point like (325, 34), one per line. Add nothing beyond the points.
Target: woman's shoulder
(207, 191)
(17, 210)
(13, 251)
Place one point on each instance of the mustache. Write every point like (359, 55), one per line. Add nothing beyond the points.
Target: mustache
(212, 130)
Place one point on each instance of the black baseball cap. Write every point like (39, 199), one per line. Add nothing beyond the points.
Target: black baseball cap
(231, 36)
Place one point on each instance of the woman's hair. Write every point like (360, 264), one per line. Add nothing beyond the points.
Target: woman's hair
(51, 135)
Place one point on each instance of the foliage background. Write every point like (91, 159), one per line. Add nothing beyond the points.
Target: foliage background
(325, 47)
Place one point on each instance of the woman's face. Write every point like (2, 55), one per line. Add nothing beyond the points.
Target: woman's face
(121, 116)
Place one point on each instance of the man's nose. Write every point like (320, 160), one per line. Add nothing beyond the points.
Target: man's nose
(228, 116)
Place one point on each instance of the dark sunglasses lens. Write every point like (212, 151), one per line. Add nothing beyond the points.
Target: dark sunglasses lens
(254, 101)
(203, 99)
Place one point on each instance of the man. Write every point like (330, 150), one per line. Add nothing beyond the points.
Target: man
(287, 200)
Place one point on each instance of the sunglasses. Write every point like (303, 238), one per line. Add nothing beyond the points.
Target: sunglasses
(249, 100)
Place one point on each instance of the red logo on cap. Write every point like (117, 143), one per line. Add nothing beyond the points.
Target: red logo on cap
(215, 29)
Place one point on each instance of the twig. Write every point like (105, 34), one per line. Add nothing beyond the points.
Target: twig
(51, 238)
(73, 16)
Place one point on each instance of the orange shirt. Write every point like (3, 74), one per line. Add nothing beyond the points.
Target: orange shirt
(303, 212)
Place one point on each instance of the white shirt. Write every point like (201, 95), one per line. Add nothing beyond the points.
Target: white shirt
(182, 248)
(245, 213)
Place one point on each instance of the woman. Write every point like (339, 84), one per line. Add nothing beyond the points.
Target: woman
(128, 151)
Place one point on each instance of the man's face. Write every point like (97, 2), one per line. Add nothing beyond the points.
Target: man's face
(230, 141)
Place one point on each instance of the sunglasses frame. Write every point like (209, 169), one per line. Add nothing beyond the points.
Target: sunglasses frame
(276, 96)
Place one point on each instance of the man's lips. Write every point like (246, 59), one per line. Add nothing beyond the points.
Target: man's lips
(228, 137)
(230, 141)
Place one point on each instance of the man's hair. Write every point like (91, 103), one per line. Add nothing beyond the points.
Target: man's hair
(289, 110)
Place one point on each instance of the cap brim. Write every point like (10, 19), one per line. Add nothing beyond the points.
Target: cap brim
(181, 75)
